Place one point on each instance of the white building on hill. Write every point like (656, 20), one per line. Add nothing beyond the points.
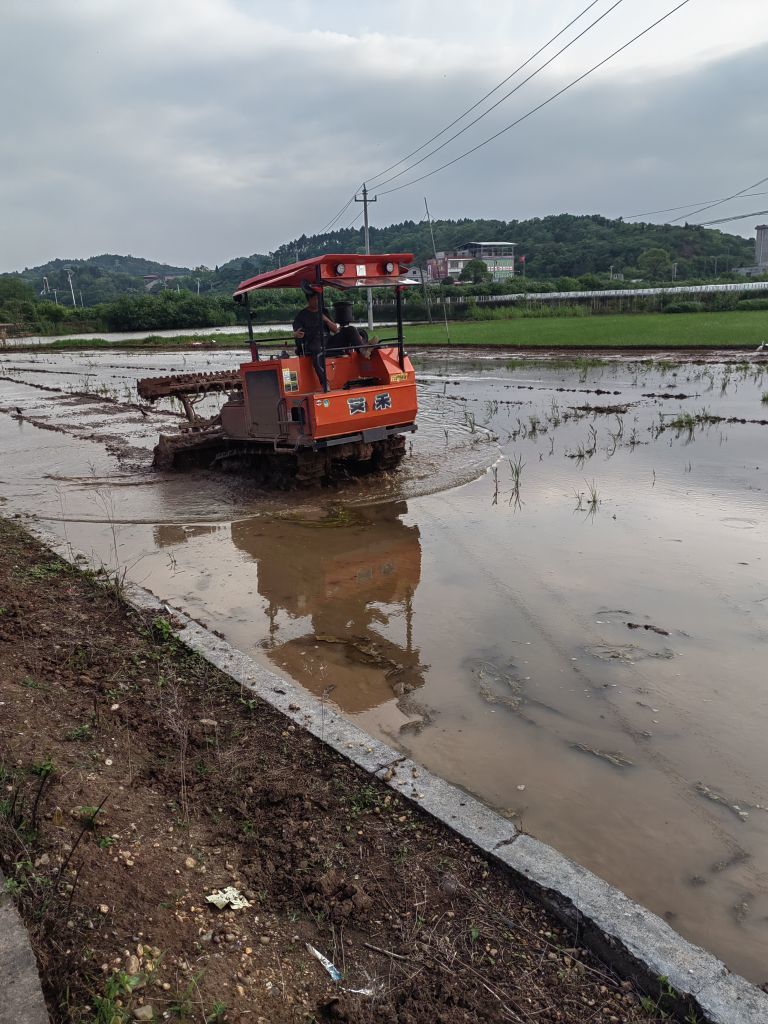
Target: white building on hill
(499, 257)
(761, 254)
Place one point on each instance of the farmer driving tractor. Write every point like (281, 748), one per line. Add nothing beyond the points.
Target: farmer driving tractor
(308, 334)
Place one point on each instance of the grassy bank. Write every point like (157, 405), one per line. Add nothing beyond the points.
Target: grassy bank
(736, 330)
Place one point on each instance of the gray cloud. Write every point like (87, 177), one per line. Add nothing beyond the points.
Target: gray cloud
(195, 140)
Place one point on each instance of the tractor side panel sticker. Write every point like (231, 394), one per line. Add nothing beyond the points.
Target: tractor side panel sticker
(382, 401)
(356, 405)
(290, 380)
(397, 378)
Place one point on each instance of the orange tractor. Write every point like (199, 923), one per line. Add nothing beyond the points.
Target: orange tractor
(342, 409)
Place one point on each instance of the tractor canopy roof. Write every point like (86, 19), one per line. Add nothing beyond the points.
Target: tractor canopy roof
(348, 270)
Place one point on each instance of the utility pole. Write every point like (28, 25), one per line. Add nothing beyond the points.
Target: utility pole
(82, 304)
(198, 285)
(365, 200)
(71, 287)
(434, 253)
(426, 296)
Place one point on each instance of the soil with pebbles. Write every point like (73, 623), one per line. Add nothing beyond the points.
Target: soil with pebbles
(137, 779)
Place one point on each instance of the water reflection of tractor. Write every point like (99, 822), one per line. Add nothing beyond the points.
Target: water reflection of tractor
(354, 580)
(343, 407)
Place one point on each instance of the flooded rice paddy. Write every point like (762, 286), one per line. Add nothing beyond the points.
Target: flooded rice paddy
(559, 602)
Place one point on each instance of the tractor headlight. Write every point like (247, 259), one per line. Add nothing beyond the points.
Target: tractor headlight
(389, 268)
(339, 269)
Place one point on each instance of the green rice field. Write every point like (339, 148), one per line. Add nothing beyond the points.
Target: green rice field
(644, 330)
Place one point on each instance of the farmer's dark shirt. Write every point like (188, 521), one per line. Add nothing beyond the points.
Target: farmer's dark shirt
(309, 322)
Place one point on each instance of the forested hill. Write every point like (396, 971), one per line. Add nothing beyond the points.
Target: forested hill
(561, 245)
(557, 246)
(99, 278)
(111, 263)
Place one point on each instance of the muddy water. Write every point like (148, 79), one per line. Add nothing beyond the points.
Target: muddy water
(560, 602)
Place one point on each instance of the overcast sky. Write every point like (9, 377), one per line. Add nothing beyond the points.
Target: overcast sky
(192, 132)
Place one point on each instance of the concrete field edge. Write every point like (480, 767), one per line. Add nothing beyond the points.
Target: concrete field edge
(22, 999)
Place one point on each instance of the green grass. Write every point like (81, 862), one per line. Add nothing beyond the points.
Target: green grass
(641, 330)
(685, 421)
(44, 571)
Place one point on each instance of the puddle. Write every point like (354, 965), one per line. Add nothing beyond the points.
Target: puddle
(559, 602)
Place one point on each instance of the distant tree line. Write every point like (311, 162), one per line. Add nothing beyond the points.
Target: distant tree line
(561, 245)
(183, 309)
(563, 253)
(169, 309)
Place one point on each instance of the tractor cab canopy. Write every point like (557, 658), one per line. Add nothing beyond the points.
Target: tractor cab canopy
(344, 271)
(348, 270)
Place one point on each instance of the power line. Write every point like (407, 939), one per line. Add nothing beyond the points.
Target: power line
(726, 220)
(685, 206)
(720, 201)
(554, 96)
(487, 95)
(503, 98)
(345, 207)
(341, 213)
(565, 28)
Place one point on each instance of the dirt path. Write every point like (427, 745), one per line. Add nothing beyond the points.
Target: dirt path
(137, 780)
